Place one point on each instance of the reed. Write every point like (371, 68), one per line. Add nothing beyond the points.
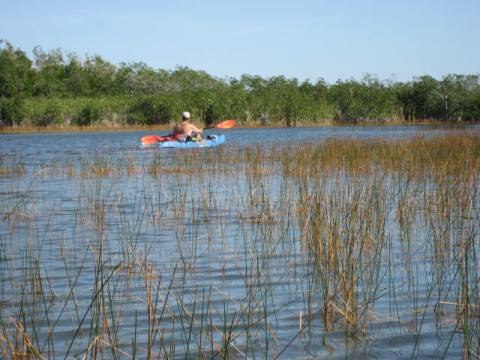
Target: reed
(11, 167)
(254, 252)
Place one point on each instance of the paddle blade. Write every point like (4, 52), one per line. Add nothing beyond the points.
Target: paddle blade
(150, 139)
(227, 124)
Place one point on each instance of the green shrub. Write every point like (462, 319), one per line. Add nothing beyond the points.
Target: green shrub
(50, 115)
(211, 115)
(148, 111)
(12, 110)
(88, 115)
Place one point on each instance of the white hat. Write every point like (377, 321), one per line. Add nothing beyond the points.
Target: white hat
(185, 115)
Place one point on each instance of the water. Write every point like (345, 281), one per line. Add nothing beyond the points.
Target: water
(38, 148)
(213, 252)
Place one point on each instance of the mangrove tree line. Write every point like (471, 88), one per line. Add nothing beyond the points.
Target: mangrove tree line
(58, 87)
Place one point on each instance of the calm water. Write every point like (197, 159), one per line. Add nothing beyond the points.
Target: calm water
(42, 147)
(189, 238)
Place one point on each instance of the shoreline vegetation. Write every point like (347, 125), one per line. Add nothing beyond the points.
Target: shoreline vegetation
(102, 127)
(57, 88)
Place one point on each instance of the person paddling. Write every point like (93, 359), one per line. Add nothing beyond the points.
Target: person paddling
(187, 130)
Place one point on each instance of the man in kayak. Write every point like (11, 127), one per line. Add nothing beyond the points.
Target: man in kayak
(187, 130)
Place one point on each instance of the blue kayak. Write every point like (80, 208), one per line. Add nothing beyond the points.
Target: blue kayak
(210, 141)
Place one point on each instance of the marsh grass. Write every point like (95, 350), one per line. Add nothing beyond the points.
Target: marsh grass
(216, 260)
(11, 167)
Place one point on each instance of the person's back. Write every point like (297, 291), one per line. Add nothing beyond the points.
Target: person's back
(185, 127)
(181, 128)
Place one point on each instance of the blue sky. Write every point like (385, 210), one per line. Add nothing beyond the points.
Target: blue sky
(304, 39)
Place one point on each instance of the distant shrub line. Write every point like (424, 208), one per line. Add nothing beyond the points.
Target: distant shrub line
(59, 88)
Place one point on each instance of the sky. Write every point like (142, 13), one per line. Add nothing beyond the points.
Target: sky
(303, 39)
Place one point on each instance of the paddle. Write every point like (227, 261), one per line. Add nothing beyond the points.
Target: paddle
(152, 139)
(227, 124)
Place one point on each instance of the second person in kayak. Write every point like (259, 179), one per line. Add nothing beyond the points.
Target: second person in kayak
(187, 129)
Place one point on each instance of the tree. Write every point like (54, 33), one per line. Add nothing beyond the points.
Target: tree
(50, 68)
(16, 81)
(428, 98)
(16, 75)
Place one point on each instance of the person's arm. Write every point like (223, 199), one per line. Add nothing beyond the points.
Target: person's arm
(195, 129)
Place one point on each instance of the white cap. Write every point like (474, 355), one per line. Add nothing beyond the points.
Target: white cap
(185, 115)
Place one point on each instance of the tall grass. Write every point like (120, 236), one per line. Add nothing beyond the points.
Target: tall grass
(254, 253)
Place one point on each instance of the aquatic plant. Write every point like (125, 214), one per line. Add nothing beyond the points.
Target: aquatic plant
(257, 252)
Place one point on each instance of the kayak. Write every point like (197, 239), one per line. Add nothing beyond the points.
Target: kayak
(154, 139)
(210, 141)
